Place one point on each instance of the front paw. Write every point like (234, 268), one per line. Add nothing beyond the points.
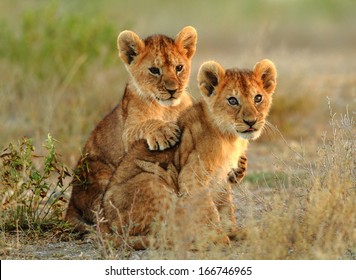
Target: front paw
(165, 137)
(236, 175)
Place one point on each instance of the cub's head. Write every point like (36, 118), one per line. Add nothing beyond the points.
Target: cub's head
(159, 65)
(238, 100)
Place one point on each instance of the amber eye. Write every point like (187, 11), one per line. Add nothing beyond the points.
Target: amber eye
(233, 101)
(179, 68)
(154, 70)
(258, 98)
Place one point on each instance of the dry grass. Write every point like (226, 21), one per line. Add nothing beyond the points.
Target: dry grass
(311, 214)
(59, 74)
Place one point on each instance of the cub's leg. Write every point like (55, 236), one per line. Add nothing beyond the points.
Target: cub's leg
(236, 175)
(133, 208)
(196, 209)
(198, 216)
(224, 202)
(89, 185)
(223, 199)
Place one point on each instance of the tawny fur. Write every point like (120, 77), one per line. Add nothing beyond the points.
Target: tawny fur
(193, 179)
(155, 94)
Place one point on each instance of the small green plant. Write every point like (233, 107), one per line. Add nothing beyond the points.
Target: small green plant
(31, 186)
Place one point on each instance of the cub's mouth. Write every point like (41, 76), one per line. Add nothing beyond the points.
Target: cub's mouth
(165, 99)
(249, 130)
(250, 133)
(169, 99)
(169, 102)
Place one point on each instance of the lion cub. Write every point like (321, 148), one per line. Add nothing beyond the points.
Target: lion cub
(191, 179)
(155, 94)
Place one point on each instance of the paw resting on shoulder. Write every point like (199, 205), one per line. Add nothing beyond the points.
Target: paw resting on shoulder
(163, 137)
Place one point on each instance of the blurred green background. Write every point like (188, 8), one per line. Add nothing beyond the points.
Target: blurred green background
(59, 70)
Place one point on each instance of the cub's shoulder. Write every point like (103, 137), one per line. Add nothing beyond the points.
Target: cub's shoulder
(192, 118)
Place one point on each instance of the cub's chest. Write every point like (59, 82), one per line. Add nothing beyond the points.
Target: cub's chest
(234, 152)
(224, 155)
(142, 109)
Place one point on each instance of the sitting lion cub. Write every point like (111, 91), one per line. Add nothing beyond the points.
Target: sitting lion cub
(159, 68)
(191, 180)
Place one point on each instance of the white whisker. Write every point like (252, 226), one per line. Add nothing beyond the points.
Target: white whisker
(269, 129)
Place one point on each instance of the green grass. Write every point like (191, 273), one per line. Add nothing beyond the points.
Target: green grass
(266, 178)
(49, 43)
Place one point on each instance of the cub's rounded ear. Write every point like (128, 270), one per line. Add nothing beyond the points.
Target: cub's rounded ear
(266, 72)
(187, 39)
(209, 76)
(129, 46)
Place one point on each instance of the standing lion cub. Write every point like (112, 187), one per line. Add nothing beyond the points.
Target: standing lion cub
(191, 180)
(155, 94)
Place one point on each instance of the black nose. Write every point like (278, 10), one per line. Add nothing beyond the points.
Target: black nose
(172, 91)
(250, 123)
